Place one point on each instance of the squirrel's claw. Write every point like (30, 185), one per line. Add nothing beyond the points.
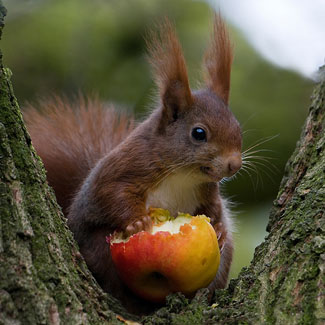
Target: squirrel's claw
(221, 235)
(143, 224)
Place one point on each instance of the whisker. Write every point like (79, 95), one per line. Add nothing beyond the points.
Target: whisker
(259, 164)
(243, 169)
(258, 157)
(269, 169)
(249, 130)
(265, 166)
(256, 151)
(191, 170)
(262, 141)
(169, 171)
(253, 168)
(262, 161)
(249, 118)
(249, 171)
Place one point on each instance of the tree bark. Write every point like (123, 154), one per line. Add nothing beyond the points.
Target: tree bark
(44, 280)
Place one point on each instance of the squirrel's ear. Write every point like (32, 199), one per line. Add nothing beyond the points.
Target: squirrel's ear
(167, 60)
(218, 59)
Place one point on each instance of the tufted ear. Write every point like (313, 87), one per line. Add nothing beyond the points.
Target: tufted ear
(167, 60)
(218, 59)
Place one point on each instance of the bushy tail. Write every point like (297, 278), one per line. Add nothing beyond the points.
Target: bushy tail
(71, 137)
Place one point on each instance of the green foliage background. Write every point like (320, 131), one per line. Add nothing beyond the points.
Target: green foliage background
(98, 47)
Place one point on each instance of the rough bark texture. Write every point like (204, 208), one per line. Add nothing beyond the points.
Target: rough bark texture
(43, 280)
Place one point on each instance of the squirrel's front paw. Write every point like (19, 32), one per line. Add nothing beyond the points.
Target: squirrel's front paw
(145, 223)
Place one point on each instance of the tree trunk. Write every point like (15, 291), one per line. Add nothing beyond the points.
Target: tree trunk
(43, 279)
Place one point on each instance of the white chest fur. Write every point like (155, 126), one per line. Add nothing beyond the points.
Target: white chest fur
(177, 193)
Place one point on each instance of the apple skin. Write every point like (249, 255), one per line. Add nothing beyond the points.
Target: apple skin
(155, 265)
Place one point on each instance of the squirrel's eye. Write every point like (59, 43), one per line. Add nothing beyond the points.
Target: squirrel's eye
(199, 134)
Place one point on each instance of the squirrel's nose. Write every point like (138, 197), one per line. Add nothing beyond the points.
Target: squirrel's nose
(234, 163)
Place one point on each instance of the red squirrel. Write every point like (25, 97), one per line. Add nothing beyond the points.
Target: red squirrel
(106, 171)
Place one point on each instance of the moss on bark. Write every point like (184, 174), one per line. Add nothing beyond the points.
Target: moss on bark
(43, 279)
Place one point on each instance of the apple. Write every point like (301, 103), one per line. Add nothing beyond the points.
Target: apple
(179, 255)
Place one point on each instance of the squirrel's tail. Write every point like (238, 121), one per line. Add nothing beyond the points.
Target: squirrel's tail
(71, 137)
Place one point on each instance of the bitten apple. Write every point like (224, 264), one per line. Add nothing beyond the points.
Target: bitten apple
(180, 254)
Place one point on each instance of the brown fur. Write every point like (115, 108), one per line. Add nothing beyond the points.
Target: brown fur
(71, 137)
(167, 60)
(218, 59)
(121, 174)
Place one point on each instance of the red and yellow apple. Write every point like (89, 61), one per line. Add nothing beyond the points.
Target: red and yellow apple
(180, 254)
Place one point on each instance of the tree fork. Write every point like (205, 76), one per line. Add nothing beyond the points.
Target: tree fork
(44, 280)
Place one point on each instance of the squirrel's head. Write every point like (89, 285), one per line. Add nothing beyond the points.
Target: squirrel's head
(196, 127)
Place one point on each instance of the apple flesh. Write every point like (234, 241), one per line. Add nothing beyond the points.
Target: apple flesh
(179, 255)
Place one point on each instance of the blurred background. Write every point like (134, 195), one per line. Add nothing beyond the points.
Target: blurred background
(98, 47)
